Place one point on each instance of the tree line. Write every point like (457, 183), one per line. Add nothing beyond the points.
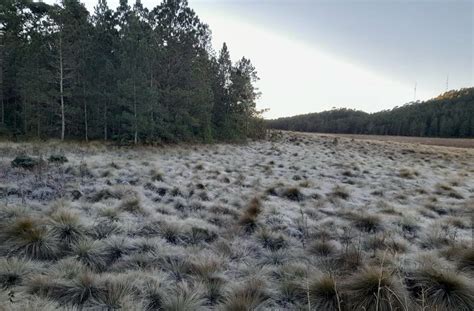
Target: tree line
(448, 115)
(129, 75)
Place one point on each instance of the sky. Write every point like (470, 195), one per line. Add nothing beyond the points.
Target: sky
(315, 55)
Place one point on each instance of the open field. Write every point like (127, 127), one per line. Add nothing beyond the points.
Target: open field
(297, 222)
(446, 142)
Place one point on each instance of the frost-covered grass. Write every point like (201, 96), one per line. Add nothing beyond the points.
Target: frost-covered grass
(296, 222)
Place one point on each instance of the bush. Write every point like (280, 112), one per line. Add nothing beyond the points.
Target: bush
(57, 158)
(26, 162)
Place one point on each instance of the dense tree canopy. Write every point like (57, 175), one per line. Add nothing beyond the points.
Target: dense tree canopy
(448, 115)
(129, 74)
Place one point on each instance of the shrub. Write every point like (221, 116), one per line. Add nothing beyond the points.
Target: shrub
(26, 162)
(57, 158)
(375, 289)
(441, 289)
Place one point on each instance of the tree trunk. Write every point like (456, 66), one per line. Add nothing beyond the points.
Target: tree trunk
(2, 119)
(25, 123)
(3, 108)
(61, 88)
(105, 120)
(135, 140)
(85, 113)
(38, 121)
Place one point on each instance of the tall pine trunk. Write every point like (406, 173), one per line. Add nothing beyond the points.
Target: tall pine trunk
(86, 130)
(105, 119)
(135, 127)
(61, 87)
(2, 119)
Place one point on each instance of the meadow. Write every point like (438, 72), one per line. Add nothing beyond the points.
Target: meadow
(293, 222)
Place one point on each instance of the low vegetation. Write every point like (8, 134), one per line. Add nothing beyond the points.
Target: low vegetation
(294, 223)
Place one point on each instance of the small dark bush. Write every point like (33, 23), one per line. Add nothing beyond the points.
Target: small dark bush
(26, 162)
(57, 158)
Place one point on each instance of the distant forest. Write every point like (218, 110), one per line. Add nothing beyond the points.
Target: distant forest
(129, 75)
(448, 115)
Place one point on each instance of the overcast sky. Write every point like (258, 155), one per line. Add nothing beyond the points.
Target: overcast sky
(315, 55)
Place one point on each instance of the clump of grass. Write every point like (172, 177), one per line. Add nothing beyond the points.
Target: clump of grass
(367, 222)
(293, 194)
(153, 293)
(132, 205)
(104, 194)
(466, 260)
(30, 238)
(172, 232)
(67, 268)
(249, 295)
(322, 293)
(115, 294)
(375, 289)
(110, 212)
(78, 290)
(116, 247)
(340, 192)
(207, 271)
(322, 248)
(441, 289)
(248, 219)
(13, 271)
(90, 253)
(185, 297)
(156, 175)
(271, 240)
(408, 173)
(67, 227)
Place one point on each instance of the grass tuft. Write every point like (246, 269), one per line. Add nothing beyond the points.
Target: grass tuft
(441, 289)
(30, 238)
(373, 289)
(249, 295)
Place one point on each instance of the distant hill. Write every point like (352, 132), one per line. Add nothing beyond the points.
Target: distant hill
(448, 115)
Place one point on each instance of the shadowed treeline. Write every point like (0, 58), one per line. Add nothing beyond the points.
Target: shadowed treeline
(448, 115)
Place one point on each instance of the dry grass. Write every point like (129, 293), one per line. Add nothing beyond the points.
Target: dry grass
(299, 222)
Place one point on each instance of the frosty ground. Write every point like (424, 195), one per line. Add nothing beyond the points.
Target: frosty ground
(294, 222)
